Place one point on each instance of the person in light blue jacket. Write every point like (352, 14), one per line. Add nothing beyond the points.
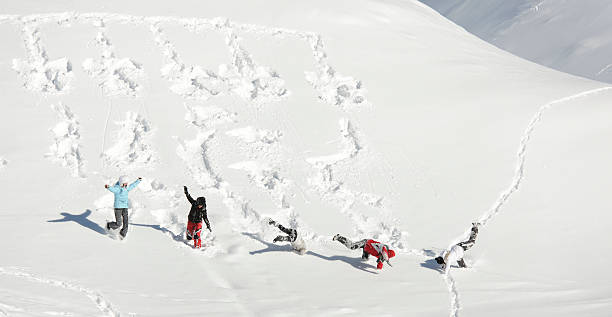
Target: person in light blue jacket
(121, 190)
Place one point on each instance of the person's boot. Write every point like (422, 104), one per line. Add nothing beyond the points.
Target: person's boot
(461, 263)
(365, 256)
(108, 225)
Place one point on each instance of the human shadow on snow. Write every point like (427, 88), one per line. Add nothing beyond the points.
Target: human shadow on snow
(271, 247)
(81, 220)
(175, 237)
(432, 264)
(357, 263)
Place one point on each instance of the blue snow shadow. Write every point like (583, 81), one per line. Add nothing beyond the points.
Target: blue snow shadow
(271, 247)
(357, 263)
(432, 264)
(81, 220)
(175, 237)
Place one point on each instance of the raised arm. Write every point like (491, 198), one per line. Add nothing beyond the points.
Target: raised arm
(191, 201)
(113, 189)
(134, 184)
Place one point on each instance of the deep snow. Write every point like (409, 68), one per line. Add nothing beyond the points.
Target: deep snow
(370, 119)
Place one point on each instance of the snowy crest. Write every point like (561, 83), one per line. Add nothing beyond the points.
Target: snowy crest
(334, 89)
(66, 148)
(208, 117)
(192, 82)
(255, 83)
(41, 74)
(115, 76)
(132, 148)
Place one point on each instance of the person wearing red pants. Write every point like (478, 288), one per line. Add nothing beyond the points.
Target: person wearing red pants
(196, 215)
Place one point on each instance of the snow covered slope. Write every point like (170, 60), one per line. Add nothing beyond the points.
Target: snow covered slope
(374, 119)
(568, 35)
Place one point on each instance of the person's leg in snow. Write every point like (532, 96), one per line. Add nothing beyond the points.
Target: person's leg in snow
(124, 229)
(197, 242)
(461, 263)
(117, 223)
(281, 238)
(365, 255)
(350, 244)
(292, 233)
(189, 232)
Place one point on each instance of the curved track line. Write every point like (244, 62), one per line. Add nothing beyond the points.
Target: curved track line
(522, 153)
(104, 305)
(454, 294)
(514, 185)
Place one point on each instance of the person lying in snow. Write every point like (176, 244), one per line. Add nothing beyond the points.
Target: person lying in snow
(196, 215)
(121, 205)
(455, 253)
(297, 243)
(381, 251)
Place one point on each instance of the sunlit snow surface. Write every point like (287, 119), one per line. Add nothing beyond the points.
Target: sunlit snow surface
(373, 120)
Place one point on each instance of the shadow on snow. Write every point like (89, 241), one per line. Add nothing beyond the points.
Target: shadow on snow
(432, 264)
(271, 247)
(81, 220)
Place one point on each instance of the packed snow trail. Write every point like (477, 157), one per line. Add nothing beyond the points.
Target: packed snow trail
(522, 153)
(454, 294)
(514, 185)
(105, 306)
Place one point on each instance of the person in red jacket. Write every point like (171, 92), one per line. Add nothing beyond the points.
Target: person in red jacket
(196, 215)
(381, 251)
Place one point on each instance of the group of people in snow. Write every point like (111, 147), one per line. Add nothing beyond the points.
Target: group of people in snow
(197, 214)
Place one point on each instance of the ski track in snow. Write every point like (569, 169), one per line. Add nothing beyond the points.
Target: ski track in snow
(454, 294)
(522, 153)
(132, 149)
(103, 304)
(243, 76)
(115, 76)
(66, 148)
(605, 69)
(514, 185)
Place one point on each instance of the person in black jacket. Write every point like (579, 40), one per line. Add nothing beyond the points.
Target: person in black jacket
(196, 215)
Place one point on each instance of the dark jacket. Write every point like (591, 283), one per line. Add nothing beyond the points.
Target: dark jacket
(197, 214)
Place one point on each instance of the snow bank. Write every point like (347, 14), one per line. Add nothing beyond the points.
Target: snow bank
(259, 137)
(132, 148)
(115, 76)
(209, 116)
(66, 148)
(41, 74)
